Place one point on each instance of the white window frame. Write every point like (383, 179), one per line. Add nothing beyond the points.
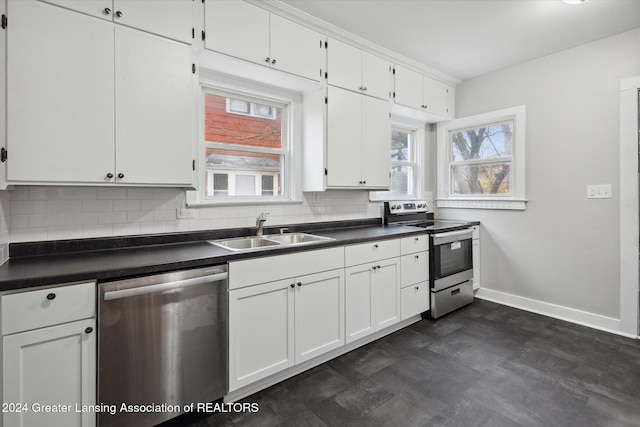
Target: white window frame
(516, 198)
(225, 85)
(417, 131)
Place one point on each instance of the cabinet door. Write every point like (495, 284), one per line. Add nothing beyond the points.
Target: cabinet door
(344, 64)
(261, 322)
(376, 143)
(319, 314)
(296, 49)
(408, 87)
(155, 101)
(434, 96)
(359, 300)
(51, 366)
(376, 76)
(386, 280)
(60, 102)
(238, 29)
(167, 18)
(99, 8)
(414, 299)
(344, 138)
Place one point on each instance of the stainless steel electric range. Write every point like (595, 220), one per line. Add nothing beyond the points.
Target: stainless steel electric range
(450, 253)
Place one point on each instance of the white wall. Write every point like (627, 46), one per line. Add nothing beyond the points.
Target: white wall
(564, 249)
(50, 213)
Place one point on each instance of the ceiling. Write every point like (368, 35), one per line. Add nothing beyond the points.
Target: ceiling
(468, 38)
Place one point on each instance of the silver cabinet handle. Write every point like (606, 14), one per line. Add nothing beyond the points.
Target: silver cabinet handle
(119, 14)
(180, 284)
(106, 11)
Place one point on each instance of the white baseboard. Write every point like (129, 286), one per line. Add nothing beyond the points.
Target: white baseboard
(591, 320)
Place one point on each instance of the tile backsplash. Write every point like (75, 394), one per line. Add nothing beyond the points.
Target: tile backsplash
(35, 213)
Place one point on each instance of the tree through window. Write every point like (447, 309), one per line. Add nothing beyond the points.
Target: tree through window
(481, 159)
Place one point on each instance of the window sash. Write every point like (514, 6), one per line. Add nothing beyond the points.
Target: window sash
(280, 177)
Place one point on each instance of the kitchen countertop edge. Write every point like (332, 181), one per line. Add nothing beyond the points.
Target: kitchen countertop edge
(125, 262)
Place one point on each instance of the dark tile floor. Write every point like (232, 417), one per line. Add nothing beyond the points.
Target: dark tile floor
(484, 365)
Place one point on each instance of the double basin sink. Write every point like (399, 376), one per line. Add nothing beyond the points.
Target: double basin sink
(271, 241)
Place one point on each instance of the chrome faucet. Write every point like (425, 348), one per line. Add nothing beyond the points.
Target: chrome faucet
(260, 222)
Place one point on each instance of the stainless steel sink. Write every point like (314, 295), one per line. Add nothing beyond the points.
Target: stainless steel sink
(297, 238)
(268, 242)
(245, 243)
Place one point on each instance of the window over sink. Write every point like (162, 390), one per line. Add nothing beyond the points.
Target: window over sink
(246, 147)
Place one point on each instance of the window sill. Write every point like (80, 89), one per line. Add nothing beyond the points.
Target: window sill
(212, 203)
(494, 203)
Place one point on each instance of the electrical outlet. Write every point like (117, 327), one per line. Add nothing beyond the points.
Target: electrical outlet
(185, 213)
(602, 191)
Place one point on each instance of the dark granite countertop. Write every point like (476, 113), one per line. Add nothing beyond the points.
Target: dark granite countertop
(50, 263)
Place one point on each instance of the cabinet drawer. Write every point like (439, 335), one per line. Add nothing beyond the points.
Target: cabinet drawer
(414, 299)
(46, 307)
(369, 252)
(413, 244)
(271, 268)
(414, 268)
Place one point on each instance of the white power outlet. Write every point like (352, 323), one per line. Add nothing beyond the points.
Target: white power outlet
(602, 191)
(185, 213)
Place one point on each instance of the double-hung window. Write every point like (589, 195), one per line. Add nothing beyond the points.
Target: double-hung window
(481, 161)
(246, 147)
(405, 170)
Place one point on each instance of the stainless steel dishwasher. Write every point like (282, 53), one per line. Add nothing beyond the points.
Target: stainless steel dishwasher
(162, 340)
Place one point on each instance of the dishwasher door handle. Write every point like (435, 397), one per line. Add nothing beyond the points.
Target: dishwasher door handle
(179, 284)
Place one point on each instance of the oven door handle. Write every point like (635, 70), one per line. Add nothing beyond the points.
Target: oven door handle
(452, 236)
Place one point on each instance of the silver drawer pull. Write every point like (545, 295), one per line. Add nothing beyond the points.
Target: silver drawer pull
(51, 296)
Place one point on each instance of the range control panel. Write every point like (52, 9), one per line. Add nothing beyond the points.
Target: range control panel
(405, 207)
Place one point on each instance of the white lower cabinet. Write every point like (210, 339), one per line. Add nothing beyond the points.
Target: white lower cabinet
(275, 325)
(278, 324)
(260, 332)
(319, 314)
(415, 299)
(414, 281)
(372, 289)
(50, 366)
(49, 356)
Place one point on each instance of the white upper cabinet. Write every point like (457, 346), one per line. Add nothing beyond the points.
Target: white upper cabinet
(358, 141)
(237, 29)
(94, 102)
(415, 90)
(245, 31)
(408, 87)
(296, 49)
(167, 18)
(353, 69)
(154, 109)
(60, 103)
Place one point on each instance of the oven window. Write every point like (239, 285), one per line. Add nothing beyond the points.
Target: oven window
(452, 258)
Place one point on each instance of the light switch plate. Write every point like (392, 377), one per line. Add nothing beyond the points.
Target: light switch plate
(602, 191)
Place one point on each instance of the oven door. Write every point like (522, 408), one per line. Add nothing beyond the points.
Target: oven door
(452, 258)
